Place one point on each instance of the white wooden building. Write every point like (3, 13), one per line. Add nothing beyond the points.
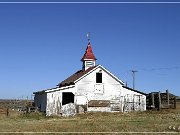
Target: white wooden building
(93, 88)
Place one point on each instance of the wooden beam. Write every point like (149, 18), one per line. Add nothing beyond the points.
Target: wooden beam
(152, 100)
(175, 102)
(167, 94)
(159, 99)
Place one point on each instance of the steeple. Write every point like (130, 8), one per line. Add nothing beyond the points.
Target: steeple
(89, 60)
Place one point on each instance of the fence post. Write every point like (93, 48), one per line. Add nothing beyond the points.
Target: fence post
(167, 94)
(133, 102)
(175, 102)
(152, 100)
(159, 98)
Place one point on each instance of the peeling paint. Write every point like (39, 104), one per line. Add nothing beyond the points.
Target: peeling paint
(68, 110)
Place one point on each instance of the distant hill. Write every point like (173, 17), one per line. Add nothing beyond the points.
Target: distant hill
(13, 103)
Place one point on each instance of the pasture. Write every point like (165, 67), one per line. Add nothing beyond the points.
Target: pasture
(149, 121)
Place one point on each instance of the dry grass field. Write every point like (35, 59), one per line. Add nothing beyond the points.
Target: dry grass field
(149, 121)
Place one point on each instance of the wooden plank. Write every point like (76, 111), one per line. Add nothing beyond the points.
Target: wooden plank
(167, 92)
(152, 99)
(99, 103)
(159, 100)
(175, 102)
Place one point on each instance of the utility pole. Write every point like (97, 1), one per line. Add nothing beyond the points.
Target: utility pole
(133, 75)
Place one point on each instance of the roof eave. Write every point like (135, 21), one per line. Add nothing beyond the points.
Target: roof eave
(102, 68)
(134, 90)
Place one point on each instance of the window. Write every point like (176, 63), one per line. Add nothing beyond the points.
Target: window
(89, 63)
(98, 77)
(67, 97)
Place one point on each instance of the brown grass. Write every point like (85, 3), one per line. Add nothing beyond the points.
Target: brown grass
(149, 121)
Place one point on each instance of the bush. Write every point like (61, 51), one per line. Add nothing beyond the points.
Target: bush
(33, 115)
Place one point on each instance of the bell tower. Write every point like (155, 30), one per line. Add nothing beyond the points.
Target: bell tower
(89, 60)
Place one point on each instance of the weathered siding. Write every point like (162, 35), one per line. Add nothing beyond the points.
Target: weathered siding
(88, 86)
(108, 96)
(109, 89)
(133, 100)
(54, 101)
(98, 91)
(121, 99)
(99, 109)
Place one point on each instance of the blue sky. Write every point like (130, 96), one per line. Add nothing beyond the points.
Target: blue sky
(42, 44)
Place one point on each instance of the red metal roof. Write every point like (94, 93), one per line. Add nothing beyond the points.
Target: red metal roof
(89, 53)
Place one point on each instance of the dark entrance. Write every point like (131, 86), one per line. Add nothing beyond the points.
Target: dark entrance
(98, 77)
(67, 97)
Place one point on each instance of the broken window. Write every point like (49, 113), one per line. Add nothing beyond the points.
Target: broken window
(67, 97)
(98, 77)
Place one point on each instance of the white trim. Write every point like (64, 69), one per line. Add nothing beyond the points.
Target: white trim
(112, 75)
(89, 60)
(61, 88)
(104, 70)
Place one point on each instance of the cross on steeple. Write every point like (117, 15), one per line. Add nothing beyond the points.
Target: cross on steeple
(88, 37)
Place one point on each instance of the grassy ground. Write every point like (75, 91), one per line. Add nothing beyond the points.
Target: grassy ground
(149, 121)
